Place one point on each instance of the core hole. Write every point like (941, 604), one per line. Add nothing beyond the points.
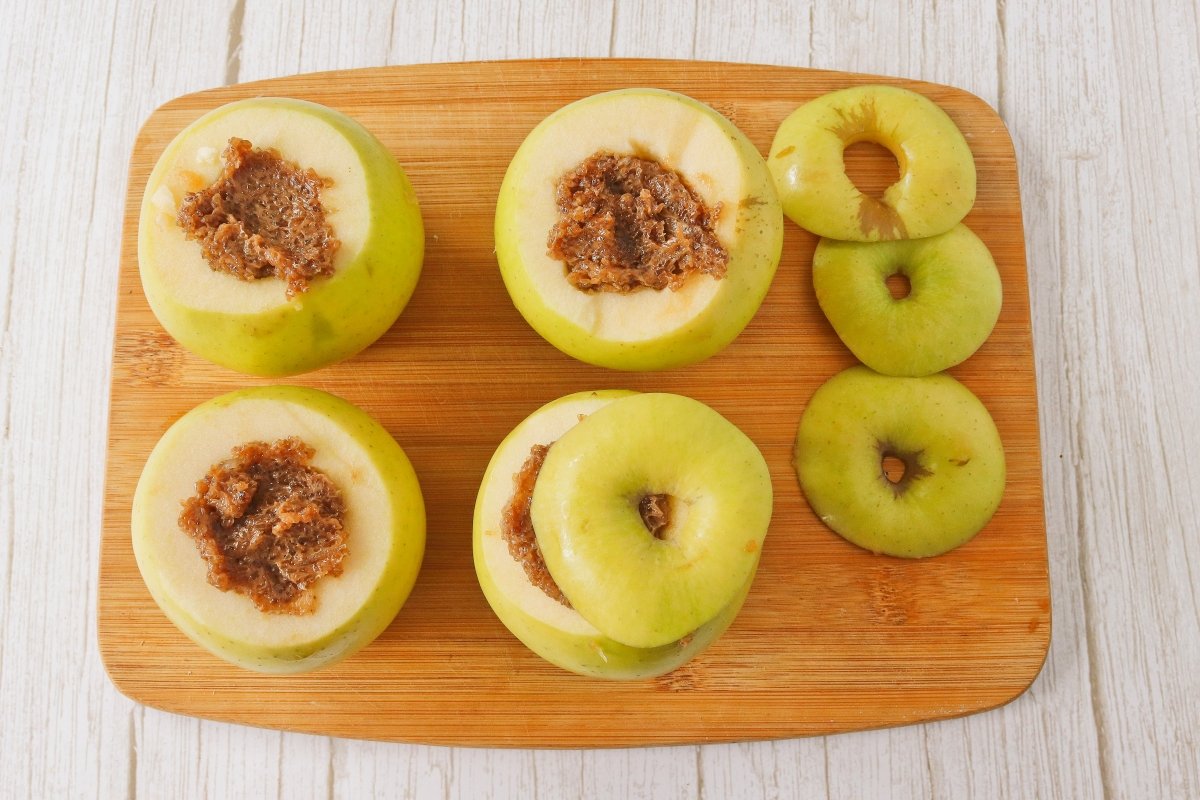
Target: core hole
(871, 168)
(899, 285)
(893, 469)
(655, 510)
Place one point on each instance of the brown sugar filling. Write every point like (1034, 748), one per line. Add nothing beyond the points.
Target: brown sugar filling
(268, 525)
(517, 526)
(627, 222)
(517, 523)
(262, 217)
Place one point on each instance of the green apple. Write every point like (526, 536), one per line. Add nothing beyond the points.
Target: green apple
(936, 187)
(638, 589)
(645, 329)
(953, 461)
(557, 632)
(252, 326)
(952, 305)
(384, 519)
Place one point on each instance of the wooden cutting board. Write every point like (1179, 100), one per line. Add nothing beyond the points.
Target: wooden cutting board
(832, 638)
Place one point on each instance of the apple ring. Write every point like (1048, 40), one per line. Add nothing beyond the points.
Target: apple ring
(552, 629)
(952, 305)
(953, 460)
(637, 588)
(936, 187)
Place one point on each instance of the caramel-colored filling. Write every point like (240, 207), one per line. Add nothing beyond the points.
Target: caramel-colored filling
(262, 217)
(627, 223)
(655, 510)
(268, 525)
(517, 526)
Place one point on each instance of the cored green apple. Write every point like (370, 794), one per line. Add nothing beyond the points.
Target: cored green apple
(645, 329)
(253, 326)
(638, 589)
(936, 187)
(557, 632)
(948, 450)
(384, 520)
(952, 305)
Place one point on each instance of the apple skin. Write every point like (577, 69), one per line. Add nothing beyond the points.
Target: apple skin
(338, 316)
(936, 187)
(939, 421)
(951, 310)
(705, 315)
(637, 589)
(553, 631)
(386, 542)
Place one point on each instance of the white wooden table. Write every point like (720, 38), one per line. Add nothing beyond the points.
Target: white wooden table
(1101, 99)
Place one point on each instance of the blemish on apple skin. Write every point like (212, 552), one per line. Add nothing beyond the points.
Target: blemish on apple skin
(787, 151)
(960, 462)
(751, 546)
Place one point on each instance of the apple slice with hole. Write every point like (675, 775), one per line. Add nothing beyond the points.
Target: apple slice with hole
(646, 329)
(947, 475)
(384, 519)
(253, 326)
(553, 630)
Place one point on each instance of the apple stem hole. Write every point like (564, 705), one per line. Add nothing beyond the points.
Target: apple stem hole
(871, 167)
(893, 469)
(899, 285)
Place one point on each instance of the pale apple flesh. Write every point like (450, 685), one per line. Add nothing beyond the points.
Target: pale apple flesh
(951, 309)
(936, 187)
(954, 468)
(251, 326)
(554, 631)
(384, 520)
(645, 329)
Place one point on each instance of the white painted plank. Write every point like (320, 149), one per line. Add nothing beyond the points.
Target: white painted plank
(1132, 254)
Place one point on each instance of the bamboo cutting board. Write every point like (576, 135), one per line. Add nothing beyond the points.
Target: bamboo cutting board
(831, 638)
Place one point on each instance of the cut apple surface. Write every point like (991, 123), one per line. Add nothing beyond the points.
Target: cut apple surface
(558, 632)
(950, 309)
(646, 328)
(936, 187)
(951, 469)
(253, 326)
(384, 522)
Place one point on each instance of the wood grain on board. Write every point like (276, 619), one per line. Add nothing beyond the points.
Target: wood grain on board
(831, 638)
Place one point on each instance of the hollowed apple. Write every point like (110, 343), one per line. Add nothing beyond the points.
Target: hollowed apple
(648, 328)
(560, 633)
(253, 326)
(384, 519)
